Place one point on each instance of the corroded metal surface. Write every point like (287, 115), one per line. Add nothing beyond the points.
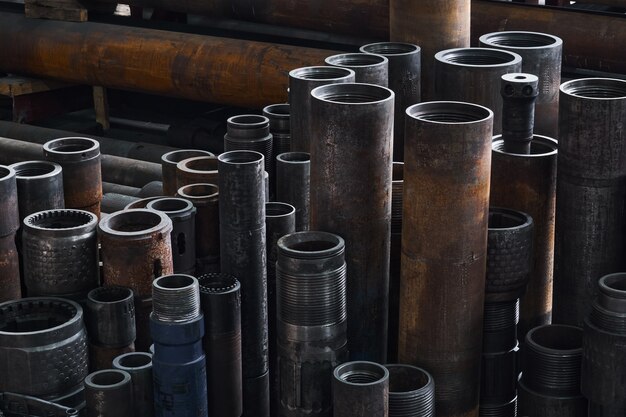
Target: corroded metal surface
(9, 224)
(169, 162)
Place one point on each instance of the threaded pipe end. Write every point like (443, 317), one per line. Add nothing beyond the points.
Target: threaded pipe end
(609, 310)
(411, 392)
(175, 298)
(595, 88)
(218, 283)
(361, 373)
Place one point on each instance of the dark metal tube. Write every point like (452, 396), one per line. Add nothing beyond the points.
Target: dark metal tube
(604, 349)
(178, 363)
(183, 237)
(39, 186)
(112, 202)
(541, 56)
(360, 389)
(411, 392)
(139, 367)
(311, 321)
(109, 187)
(220, 300)
(278, 114)
(151, 189)
(205, 198)
(60, 252)
(141, 203)
(368, 68)
(293, 184)
(397, 187)
(169, 162)
(10, 288)
(109, 393)
(82, 174)
(353, 127)
(196, 170)
(441, 314)
(405, 65)
(43, 347)
(550, 381)
(243, 255)
(527, 183)
(473, 75)
(591, 190)
(519, 93)
(301, 82)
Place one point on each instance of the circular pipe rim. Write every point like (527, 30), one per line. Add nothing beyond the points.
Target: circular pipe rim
(410, 48)
(24, 165)
(336, 60)
(325, 93)
(514, 58)
(487, 39)
(342, 371)
(105, 227)
(303, 73)
(486, 114)
(77, 317)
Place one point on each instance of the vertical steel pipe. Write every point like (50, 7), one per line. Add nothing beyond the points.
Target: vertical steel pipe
(397, 187)
(360, 389)
(168, 167)
(82, 172)
(473, 75)
(293, 184)
(199, 169)
(527, 183)
(205, 198)
(39, 186)
(411, 392)
(519, 93)
(405, 66)
(301, 82)
(311, 321)
(368, 68)
(10, 288)
(604, 349)
(446, 170)
(242, 254)
(139, 366)
(353, 127)
(591, 190)
(278, 114)
(220, 300)
(108, 393)
(434, 25)
(541, 56)
(251, 132)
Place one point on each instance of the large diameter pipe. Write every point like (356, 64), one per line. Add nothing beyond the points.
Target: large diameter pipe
(353, 127)
(228, 71)
(9, 224)
(139, 366)
(444, 262)
(360, 389)
(39, 186)
(169, 162)
(591, 189)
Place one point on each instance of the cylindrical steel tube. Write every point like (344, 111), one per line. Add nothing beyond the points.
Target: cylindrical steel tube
(397, 187)
(444, 262)
(293, 184)
(151, 189)
(591, 190)
(541, 56)
(220, 300)
(178, 363)
(205, 198)
(109, 187)
(39, 186)
(183, 237)
(550, 381)
(82, 174)
(434, 25)
(10, 288)
(141, 203)
(108, 393)
(405, 65)
(139, 367)
(368, 68)
(112, 202)
(519, 93)
(60, 252)
(43, 347)
(242, 254)
(411, 392)
(353, 127)
(278, 114)
(197, 170)
(473, 75)
(360, 389)
(169, 162)
(604, 349)
(311, 321)
(301, 82)
(528, 183)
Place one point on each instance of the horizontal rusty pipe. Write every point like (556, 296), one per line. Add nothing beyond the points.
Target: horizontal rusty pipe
(221, 70)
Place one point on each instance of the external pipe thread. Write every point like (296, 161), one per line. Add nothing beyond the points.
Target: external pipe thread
(500, 316)
(411, 392)
(609, 310)
(175, 298)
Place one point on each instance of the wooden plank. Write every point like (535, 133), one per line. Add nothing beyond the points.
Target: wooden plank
(69, 10)
(101, 107)
(14, 85)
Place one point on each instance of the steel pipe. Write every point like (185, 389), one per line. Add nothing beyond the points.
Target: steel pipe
(444, 262)
(293, 184)
(301, 82)
(249, 74)
(411, 392)
(541, 56)
(10, 288)
(397, 188)
(39, 186)
(243, 255)
(368, 68)
(220, 300)
(405, 66)
(60, 253)
(139, 367)
(196, 170)
(141, 203)
(591, 190)
(360, 389)
(169, 162)
(112, 202)
(353, 127)
(519, 93)
(109, 187)
(278, 115)
(109, 393)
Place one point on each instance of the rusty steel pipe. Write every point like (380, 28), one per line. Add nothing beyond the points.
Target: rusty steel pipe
(221, 70)
(353, 127)
(9, 224)
(39, 186)
(169, 162)
(197, 170)
(591, 190)
(446, 170)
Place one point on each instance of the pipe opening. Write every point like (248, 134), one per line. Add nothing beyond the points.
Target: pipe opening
(449, 112)
(601, 88)
(217, 282)
(72, 146)
(5, 172)
(540, 146)
(361, 373)
(60, 219)
(520, 39)
(557, 337)
(277, 110)
(505, 219)
(478, 56)
(34, 168)
(175, 157)
(26, 316)
(248, 121)
(321, 73)
(406, 378)
(352, 93)
(615, 282)
(175, 298)
(133, 221)
(200, 163)
(199, 190)
(294, 157)
(390, 48)
(134, 360)
(241, 157)
(310, 245)
(107, 378)
(174, 282)
(170, 205)
(276, 209)
(110, 294)
(356, 60)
